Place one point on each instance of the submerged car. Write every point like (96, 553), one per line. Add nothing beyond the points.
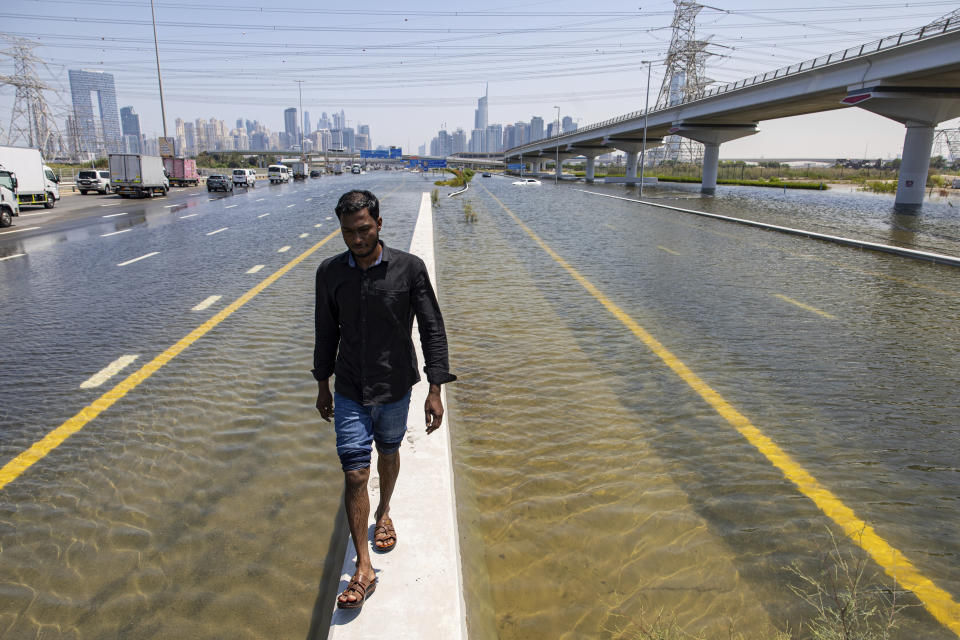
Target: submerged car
(486, 174)
(218, 182)
(528, 181)
(314, 173)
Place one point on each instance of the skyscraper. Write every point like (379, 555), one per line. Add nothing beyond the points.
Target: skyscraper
(130, 128)
(307, 130)
(568, 124)
(480, 114)
(290, 126)
(98, 134)
(536, 128)
(493, 140)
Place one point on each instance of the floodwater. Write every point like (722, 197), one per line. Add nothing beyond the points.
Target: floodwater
(597, 490)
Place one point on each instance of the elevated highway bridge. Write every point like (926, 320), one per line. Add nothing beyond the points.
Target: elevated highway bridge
(911, 77)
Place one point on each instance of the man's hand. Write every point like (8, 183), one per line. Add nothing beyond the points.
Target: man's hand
(325, 401)
(433, 408)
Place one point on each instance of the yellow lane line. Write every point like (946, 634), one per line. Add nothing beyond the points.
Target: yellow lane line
(13, 469)
(937, 601)
(805, 306)
(668, 250)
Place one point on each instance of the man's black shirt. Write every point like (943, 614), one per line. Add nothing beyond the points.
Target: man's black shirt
(369, 315)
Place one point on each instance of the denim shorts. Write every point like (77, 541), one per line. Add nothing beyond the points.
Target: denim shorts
(357, 426)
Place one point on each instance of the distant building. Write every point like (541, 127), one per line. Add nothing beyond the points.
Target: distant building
(362, 142)
(521, 132)
(290, 127)
(569, 125)
(364, 129)
(552, 130)
(422, 150)
(509, 137)
(306, 123)
(536, 128)
(476, 141)
(493, 139)
(98, 135)
(130, 127)
(480, 113)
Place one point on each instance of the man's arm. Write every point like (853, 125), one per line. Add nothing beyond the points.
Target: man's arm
(326, 340)
(433, 341)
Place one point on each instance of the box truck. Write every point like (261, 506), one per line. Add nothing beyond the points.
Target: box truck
(36, 182)
(182, 172)
(9, 206)
(137, 175)
(300, 170)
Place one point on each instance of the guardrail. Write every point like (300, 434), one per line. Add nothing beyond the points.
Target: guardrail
(889, 42)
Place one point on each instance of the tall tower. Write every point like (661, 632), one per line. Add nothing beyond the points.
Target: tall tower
(31, 122)
(685, 76)
(480, 114)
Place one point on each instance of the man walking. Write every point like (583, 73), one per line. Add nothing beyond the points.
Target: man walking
(367, 298)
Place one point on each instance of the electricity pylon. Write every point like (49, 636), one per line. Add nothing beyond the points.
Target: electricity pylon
(685, 77)
(31, 121)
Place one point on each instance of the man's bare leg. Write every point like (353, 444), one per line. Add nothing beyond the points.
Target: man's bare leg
(357, 504)
(388, 466)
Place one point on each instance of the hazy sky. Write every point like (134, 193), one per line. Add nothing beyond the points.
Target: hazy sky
(407, 68)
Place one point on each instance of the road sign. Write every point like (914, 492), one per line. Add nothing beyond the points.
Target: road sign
(515, 167)
(382, 154)
(433, 164)
(396, 152)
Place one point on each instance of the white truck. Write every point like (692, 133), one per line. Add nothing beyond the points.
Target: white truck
(138, 175)
(9, 206)
(300, 170)
(36, 182)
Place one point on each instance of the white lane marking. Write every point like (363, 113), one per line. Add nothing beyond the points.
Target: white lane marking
(259, 199)
(149, 255)
(19, 230)
(318, 225)
(170, 206)
(255, 268)
(38, 213)
(283, 249)
(218, 231)
(16, 255)
(212, 199)
(290, 205)
(206, 303)
(113, 233)
(231, 206)
(114, 215)
(308, 199)
(112, 204)
(189, 216)
(279, 195)
(304, 235)
(329, 218)
(194, 195)
(263, 215)
(108, 371)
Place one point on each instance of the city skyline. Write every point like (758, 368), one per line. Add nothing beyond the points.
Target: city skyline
(420, 67)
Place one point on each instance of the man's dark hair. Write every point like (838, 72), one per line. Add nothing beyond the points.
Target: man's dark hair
(356, 200)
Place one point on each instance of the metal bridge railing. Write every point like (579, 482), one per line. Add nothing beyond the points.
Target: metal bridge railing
(952, 23)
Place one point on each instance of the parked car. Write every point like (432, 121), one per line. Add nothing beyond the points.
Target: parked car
(314, 173)
(218, 182)
(486, 174)
(244, 177)
(91, 180)
(528, 182)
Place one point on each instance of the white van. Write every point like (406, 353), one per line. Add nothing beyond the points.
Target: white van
(245, 177)
(278, 173)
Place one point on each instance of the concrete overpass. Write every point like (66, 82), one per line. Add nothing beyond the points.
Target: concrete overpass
(911, 77)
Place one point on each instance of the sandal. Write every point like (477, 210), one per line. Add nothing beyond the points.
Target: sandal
(362, 591)
(384, 533)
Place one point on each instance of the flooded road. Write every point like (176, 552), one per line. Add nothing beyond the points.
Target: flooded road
(202, 503)
(596, 487)
(599, 488)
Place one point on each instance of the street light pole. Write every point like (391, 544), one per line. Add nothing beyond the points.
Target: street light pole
(646, 108)
(156, 50)
(556, 174)
(299, 122)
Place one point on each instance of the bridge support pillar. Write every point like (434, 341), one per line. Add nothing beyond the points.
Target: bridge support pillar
(560, 159)
(920, 109)
(590, 153)
(633, 148)
(712, 136)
